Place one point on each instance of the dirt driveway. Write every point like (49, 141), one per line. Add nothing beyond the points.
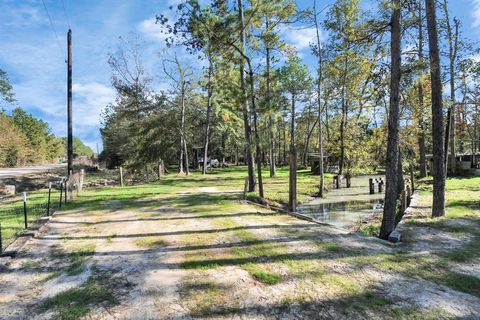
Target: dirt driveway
(201, 253)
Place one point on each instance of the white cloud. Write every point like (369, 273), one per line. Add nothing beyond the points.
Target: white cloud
(476, 13)
(152, 31)
(89, 100)
(300, 37)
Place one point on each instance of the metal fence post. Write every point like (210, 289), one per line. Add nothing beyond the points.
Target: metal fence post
(25, 208)
(49, 194)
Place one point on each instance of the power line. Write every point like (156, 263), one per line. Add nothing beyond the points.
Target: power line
(52, 27)
(66, 15)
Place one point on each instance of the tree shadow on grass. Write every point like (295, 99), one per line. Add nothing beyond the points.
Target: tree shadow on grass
(473, 204)
(170, 218)
(171, 233)
(355, 305)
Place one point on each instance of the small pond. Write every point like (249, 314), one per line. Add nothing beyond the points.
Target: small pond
(345, 207)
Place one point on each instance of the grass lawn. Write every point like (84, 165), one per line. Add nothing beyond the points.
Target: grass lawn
(276, 188)
(12, 212)
(230, 259)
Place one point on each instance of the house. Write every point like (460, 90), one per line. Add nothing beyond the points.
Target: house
(329, 164)
(468, 164)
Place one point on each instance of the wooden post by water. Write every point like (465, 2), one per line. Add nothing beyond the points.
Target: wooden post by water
(380, 186)
(349, 182)
(409, 195)
(371, 186)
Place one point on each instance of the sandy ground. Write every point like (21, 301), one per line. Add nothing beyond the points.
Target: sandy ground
(150, 284)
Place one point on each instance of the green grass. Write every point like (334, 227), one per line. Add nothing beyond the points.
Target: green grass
(261, 274)
(204, 296)
(370, 230)
(12, 214)
(77, 302)
(276, 188)
(151, 242)
(467, 253)
(332, 267)
(77, 259)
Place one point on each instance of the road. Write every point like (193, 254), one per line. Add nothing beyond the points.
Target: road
(6, 173)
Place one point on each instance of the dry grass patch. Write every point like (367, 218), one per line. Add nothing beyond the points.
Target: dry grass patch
(151, 242)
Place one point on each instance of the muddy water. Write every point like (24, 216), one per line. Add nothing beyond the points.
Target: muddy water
(345, 207)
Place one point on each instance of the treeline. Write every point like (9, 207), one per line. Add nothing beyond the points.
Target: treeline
(250, 97)
(26, 140)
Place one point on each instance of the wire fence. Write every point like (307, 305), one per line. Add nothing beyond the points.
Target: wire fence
(20, 212)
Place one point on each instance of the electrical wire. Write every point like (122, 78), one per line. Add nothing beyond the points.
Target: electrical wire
(52, 27)
(66, 15)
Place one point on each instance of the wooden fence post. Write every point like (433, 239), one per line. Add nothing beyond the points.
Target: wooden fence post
(349, 182)
(409, 195)
(67, 191)
(380, 186)
(61, 194)
(80, 181)
(121, 176)
(371, 186)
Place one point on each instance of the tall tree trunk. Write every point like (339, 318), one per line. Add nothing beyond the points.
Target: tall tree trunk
(400, 180)
(421, 96)
(258, 150)
(452, 54)
(271, 132)
(391, 189)
(319, 103)
(209, 112)
(292, 194)
(343, 121)
(284, 144)
(183, 148)
(307, 141)
(246, 116)
(438, 208)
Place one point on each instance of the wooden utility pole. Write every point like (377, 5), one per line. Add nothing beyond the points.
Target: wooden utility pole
(69, 106)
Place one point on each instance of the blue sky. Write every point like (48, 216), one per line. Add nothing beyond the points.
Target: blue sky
(35, 60)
